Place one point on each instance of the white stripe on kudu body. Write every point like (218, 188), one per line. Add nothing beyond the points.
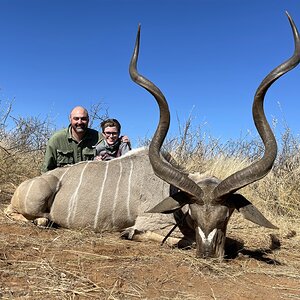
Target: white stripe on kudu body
(115, 202)
(74, 197)
(100, 197)
(27, 199)
(60, 180)
(129, 190)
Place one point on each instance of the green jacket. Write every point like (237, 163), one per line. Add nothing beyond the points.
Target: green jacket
(62, 149)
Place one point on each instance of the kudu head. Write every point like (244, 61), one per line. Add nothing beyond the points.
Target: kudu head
(212, 201)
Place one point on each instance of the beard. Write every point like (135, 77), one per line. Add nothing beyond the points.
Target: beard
(80, 128)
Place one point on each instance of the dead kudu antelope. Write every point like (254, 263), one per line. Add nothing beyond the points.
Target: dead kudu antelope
(115, 195)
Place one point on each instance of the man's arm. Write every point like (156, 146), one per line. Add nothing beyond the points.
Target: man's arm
(50, 160)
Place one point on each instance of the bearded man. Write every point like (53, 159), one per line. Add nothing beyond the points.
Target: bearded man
(73, 144)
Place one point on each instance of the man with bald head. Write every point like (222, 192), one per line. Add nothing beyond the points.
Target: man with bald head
(73, 144)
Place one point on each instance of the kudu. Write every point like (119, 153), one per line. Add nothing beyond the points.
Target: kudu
(115, 195)
(212, 201)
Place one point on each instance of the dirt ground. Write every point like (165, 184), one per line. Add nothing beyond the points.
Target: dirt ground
(58, 263)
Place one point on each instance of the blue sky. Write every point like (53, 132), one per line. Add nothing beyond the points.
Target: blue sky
(207, 56)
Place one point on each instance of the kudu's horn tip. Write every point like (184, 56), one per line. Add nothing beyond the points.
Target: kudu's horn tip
(289, 17)
(139, 29)
(291, 21)
(138, 32)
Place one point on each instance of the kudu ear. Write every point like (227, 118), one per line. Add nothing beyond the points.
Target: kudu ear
(171, 203)
(250, 212)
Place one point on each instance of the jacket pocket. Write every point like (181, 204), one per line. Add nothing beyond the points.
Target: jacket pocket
(65, 157)
(88, 154)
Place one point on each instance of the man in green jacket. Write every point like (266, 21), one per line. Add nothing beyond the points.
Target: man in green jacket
(73, 144)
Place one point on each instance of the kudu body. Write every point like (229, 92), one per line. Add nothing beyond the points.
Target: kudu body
(102, 196)
(115, 195)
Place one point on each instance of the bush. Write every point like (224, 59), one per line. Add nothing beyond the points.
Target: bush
(21, 149)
